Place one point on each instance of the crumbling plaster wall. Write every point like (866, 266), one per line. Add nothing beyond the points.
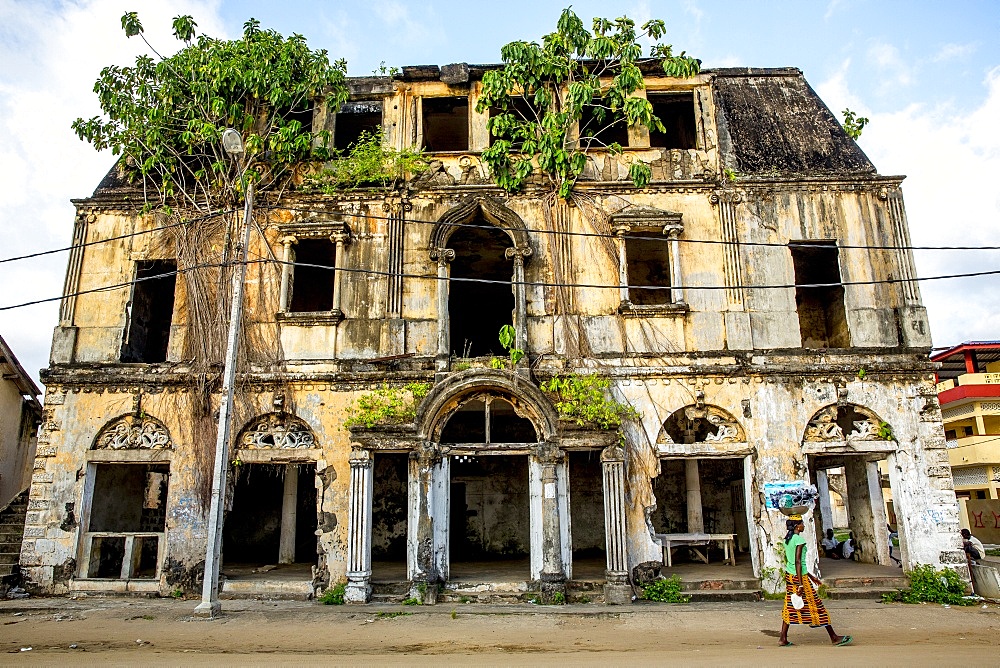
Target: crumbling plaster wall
(781, 406)
(50, 553)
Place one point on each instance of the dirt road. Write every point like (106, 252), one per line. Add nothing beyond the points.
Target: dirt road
(155, 631)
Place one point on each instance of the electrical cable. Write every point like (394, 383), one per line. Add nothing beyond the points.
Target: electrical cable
(799, 243)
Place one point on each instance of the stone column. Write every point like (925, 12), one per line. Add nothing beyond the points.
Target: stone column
(620, 232)
(359, 529)
(340, 239)
(520, 301)
(427, 525)
(676, 283)
(443, 256)
(286, 271)
(552, 577)
(289, 505)
(825, 506)
(879, 520)
(616, 586)
(695, 519)
(861, 519)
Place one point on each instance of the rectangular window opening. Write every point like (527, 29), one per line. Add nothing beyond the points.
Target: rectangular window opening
(445, 124)
(150, 312)
(312, 280)
(648, 265)
(602, 132)
(676, 112)
(822, 315)
(303, 115)
(520, 108)
(355, 118)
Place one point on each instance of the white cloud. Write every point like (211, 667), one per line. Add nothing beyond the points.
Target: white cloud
(951, 158)
(405, 27)
(892, 67)
(52, 54)
(954, 52)
(832, 8)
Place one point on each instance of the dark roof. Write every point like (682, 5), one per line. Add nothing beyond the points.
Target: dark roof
(771, 122)
(25, 385)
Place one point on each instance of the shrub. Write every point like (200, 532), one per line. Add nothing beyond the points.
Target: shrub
(584, 399)
(930, 586)
(387, 405)
(666, 590)
(334, 595)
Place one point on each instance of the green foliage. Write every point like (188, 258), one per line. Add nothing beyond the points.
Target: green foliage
(665, 590)
(413, 600)
(885, 431)
(930, 586)
(507, 339)
(862, 373)
(772, 581)
(574, 73)
(334, 595)
(993, 553)
(498, 363)
(165, 116)
(454, 614)
(558, 598)
(854, 124)
(387, 405)
(368, 162)
(730, 174)
(585, 400)
(177, 593)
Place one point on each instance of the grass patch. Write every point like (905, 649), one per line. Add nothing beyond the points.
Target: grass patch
(334, 595)
(665, 590)
(927, 585)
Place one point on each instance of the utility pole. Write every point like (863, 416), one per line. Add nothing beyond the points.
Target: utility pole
(210, 605)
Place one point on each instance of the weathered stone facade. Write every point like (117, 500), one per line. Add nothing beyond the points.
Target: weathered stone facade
(721, 363)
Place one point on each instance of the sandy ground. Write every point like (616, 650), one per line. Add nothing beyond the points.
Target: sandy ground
(161, 631)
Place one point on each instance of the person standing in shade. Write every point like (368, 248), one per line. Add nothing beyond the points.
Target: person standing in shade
(799, 582)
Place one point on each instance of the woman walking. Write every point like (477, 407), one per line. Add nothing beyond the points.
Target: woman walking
(799, 582)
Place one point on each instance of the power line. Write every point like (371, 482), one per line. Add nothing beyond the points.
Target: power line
(604, 235)
(568, 233)
(544, 284)
(118, 238)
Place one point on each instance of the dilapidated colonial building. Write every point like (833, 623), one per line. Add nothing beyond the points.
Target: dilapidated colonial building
(754, 304)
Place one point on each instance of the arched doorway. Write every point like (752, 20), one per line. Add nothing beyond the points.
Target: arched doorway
(477, 310)
(480, 239)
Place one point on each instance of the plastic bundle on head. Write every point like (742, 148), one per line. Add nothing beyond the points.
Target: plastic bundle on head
(794, 500)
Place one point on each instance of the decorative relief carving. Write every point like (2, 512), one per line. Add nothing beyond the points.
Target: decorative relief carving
(701, 424)
(277, 430)
(133, 432)
(830, 423)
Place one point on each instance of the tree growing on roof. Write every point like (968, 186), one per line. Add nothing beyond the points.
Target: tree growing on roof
(165, 117)
(544, 90)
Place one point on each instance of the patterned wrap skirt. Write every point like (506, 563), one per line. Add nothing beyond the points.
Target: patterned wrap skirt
(812, 613)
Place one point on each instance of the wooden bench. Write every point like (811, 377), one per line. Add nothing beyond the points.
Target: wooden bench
(669, 541)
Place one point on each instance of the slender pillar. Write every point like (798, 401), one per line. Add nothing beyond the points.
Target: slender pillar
(359, 529)
(825, 507)
(427, 545)
(340, 239)
(289, 504)
(676, 284)
(286, 271)
(622, 262)
(696, 521)
(520, 300)
(552, 568)
(616, 587)
(443, 256)
(879, 519)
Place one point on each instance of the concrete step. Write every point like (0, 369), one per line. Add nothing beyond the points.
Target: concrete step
(848, 593)
(9, 558)
(720, 585)
(722, 595)
(876, 582)
(488, 597)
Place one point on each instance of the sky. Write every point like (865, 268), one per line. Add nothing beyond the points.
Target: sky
(926, 74)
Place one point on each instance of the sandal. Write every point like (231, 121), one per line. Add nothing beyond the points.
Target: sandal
(787, 644)
(846, 640)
